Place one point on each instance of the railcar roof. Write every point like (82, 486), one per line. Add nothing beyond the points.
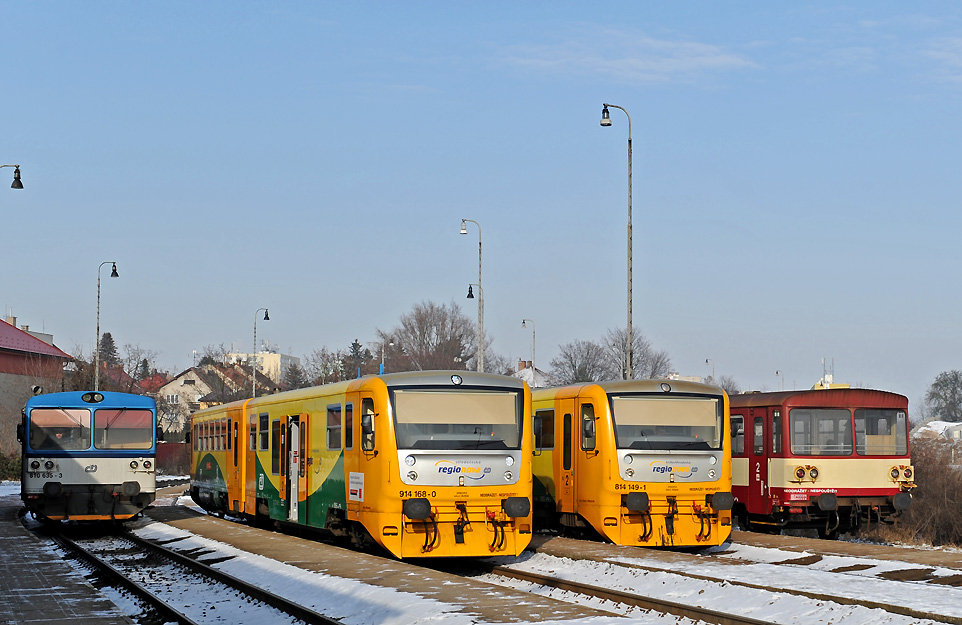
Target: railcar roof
(812, 397)
(75, 398)
(394, 380)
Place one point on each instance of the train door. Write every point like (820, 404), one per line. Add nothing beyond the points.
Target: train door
(297, 428)
(353, 461)
(565, 461)
(758, 502)
(254, 437)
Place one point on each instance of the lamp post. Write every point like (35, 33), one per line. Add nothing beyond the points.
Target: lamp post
(606, 121)
(16, 176)
(464, 230)
(113, 274)
(709, 361)
(523, 321)
(480, 322)
(254, 353)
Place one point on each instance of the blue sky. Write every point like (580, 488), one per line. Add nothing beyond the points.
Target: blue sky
(796, 177)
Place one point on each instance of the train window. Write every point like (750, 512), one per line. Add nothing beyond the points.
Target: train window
(821, 431)
(236, 443)
(196, 437)
(367, 424)
(334, 426)
(59, 428)
(252, 443)
(776, 431)
(668, 422)
(587, 427)
(230, 426)
(758, 438)
(123, 429)
(302, 447)
(738, 435)
(462, 419)
(348, 426)
(276, 447)
(881, 432)
(544, 435)
(264, 432)
(566, 444)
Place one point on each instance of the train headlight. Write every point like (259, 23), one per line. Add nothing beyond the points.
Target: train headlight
(412, 475)
(814, 473)
(894, 473)
(508, 475)
(147, 464)
(48, 465)
(630, 472)
(509, 461)
(712, 460)
(133, 464)
(628, 459)
(908, 474)
(410, 460)
(800, 473)
(35, 465)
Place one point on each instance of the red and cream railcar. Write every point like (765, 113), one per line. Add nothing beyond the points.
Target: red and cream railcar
(828, 459)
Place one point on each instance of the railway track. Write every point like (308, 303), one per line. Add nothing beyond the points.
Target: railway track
(906, 595)
(646, 602)
(160, 579)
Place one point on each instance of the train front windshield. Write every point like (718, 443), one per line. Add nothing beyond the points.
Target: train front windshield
(455, 420)
(664, 423)
(69, 429)
(59, 429)
(828, 432)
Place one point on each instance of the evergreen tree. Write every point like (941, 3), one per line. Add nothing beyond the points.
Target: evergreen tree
(108, 350)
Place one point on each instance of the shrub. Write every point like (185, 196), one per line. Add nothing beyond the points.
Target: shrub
(933, 517)
(10, 467)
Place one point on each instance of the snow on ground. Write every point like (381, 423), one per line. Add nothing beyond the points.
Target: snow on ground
(357, 603)
(351, 601)
(760, 604)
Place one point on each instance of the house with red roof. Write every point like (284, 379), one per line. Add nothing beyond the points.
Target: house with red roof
(28, 366)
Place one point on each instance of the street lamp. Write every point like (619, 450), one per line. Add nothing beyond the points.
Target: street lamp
(709, 361)
(16, 176)
(464, 230)
(254, 353)
(523, 321)
(606, 121)
(480, 322)
(113, 274)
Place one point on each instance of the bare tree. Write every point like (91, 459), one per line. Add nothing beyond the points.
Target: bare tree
(214, 354)
(647, 362)
(323, 366)
(728, 383)
(133, 363)
(434, 336)
(944, 398)
(580, 361)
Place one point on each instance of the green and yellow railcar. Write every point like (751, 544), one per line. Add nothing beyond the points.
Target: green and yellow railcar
(640, 462)
(427, 463)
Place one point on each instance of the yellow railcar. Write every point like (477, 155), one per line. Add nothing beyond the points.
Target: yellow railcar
(640, 462)
(427, 463)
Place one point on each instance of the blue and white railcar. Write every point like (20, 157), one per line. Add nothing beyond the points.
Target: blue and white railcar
(88, 456)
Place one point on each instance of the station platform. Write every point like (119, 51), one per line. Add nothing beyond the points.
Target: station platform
(38, 587)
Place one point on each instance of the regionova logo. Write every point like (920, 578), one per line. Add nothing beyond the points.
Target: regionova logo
(683, 472)
(446, 467)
